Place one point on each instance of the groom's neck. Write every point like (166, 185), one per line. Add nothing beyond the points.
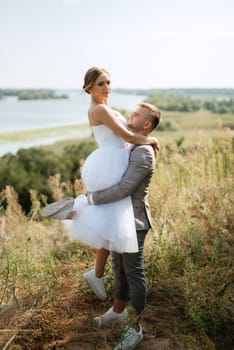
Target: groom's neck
(140, 132)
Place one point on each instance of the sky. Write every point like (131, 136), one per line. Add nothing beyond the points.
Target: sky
(142, 43)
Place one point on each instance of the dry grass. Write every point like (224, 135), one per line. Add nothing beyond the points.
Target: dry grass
(189, 255)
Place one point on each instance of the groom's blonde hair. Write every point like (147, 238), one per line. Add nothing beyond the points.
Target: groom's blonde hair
(154, 113)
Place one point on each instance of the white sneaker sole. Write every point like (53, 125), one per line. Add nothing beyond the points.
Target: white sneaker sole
(99, 321)
(92, 286)
(59, 209)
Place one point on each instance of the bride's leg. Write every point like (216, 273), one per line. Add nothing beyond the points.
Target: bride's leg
(101, 257)
(94, 278)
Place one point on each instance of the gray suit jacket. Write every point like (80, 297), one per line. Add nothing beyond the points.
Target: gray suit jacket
(135, 182)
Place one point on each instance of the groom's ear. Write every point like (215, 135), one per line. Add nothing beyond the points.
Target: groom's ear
(148, 125)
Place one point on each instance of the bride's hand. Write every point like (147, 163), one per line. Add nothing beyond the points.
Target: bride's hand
(155, 144)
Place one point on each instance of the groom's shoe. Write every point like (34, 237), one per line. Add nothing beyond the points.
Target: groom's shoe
(59, 210)
(96, 284)
(129, 339)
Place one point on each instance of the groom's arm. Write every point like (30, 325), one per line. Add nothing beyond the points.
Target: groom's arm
(141, 163)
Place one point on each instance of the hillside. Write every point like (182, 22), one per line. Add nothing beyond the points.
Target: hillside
(189, 255)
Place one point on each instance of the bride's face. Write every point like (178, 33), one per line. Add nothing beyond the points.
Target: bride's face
(102, 86)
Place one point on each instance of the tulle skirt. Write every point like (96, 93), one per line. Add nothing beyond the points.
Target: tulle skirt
(112, 225)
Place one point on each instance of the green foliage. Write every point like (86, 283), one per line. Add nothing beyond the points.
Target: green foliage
(39, 95)
(167, 125)
(31, 168)
(10, 92)
(171, 101)
(122, 111)
(207, 308)
(73, 155)
(192, 92)
(174, 102)
(220, 106)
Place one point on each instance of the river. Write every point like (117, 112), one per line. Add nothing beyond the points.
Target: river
(17, 116)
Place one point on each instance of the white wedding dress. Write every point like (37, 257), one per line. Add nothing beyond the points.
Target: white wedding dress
(110, 226)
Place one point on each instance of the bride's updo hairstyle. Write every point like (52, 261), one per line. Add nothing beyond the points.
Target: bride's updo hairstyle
(91, 76)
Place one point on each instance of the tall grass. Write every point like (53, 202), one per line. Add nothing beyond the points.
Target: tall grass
(192, 203)
(189, 252)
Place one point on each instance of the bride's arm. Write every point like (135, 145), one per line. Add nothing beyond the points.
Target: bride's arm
(101, 114)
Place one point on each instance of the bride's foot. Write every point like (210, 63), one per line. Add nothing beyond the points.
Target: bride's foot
(62, 209)
(96, 284)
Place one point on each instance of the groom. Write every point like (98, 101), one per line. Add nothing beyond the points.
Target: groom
(128, 268)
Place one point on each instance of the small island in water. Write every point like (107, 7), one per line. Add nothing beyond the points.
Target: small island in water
(33, 94)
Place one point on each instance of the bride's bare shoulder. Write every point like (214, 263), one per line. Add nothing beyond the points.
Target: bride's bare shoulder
(99, 108)
(98, 114)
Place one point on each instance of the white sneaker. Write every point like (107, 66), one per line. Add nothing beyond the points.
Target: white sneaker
(129, 339)
(110, 317)
(96, 284)
(58, 210)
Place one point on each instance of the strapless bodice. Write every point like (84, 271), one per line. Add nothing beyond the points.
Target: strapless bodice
(105, 137)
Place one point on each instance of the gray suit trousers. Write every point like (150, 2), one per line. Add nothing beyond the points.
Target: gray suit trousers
(129, 274)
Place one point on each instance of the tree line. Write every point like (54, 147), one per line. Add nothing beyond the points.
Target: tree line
(33, 94)
(169, 101)
(31, 168)
(192, 92)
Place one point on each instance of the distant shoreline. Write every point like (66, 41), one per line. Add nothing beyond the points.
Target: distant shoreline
(11, 142)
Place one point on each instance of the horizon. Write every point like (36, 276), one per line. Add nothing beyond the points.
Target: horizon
(123, 88)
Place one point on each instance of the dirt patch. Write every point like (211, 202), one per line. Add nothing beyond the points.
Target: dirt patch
(65, 321)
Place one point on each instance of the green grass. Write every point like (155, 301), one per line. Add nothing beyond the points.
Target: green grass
(199, 120)
(70, 131)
